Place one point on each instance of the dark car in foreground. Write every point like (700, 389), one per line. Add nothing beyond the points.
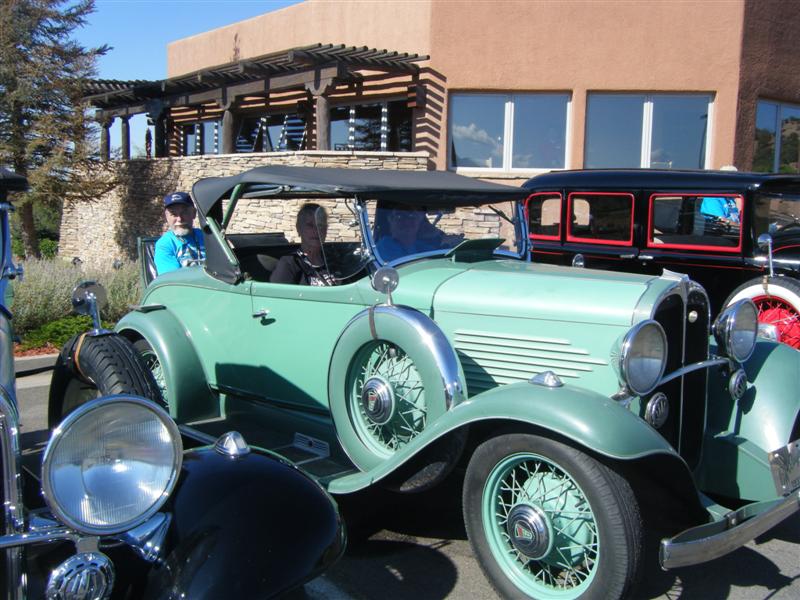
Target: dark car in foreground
(120, 503)
(587, 407)
(737, 234)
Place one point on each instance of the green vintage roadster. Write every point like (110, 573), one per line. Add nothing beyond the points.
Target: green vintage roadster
(586, 406)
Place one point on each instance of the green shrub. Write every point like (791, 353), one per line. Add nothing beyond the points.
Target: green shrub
(48, 248)
(57, 332)
(44, 293)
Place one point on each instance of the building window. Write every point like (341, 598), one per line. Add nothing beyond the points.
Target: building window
(649, 131)
(200, 138)
(271, 133)
(774, 152)
(508, 131)
(384, 126)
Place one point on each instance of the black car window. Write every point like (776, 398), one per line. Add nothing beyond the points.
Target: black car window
(691, 221)
(778, 215)
(601, 217)
(544, 215)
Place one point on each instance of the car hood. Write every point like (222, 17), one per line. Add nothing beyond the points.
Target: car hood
(525, 290)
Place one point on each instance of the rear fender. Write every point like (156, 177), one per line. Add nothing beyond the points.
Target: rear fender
(588, 419)
(188, 394)
(248, 527)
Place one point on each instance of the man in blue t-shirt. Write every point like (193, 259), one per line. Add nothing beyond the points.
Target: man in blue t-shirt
(182, 245)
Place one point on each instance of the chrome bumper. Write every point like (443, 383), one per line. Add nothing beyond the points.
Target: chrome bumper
(712, 540)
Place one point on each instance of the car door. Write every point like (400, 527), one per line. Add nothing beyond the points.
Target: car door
(295, 328)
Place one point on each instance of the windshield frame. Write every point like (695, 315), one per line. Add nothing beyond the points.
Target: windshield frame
(520, 231)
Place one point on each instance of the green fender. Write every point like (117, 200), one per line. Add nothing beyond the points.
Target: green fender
(188, 394)
(589, 419)
(741, 434)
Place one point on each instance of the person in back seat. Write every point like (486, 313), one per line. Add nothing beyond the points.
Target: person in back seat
(307, 265)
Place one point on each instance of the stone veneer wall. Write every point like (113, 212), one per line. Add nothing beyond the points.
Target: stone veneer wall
(102, 231)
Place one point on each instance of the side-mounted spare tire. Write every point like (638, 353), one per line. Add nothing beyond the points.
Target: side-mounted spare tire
(778, 304)
(393, 372)
(92, 366)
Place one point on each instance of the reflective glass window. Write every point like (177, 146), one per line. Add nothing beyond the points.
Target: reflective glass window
(766, 119)
(477, 130)
(613, 131)
(679, 132)
(686, 221)
(540, 131)
(544, 215)
(605, 218)
(790, 138)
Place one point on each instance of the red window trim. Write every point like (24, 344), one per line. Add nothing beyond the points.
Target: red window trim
(539, 236)
(598, 242)
(667, 246)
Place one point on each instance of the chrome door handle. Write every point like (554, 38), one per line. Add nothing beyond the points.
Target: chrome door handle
(645, 257)
(261, 313)
(627, 256)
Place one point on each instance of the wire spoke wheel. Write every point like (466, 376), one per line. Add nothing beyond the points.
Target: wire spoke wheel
(153, 364)
(541, 525)
(780, 313)
(548, 521)
(387, 398)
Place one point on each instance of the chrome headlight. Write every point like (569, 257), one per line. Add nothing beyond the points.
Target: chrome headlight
(111, 464)
(643, 357)
(736, 330)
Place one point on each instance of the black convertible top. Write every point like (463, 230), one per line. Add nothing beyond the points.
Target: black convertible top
(409, 187)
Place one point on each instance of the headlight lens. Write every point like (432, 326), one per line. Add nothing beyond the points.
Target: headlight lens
(736, 330)
(111, 464)
(644, 357)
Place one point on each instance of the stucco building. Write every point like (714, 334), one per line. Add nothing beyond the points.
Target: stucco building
(495, 89)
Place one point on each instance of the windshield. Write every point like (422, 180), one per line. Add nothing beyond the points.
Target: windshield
(401, 231)
(777, 214)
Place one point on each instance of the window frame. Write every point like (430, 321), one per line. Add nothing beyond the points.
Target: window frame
(539, 236)
(508, 132)
(776, 157)
(595, 241)
(383, 103)
(650, 244)
(645, 151)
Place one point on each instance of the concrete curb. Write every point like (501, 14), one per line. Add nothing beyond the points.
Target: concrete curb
(29, 363)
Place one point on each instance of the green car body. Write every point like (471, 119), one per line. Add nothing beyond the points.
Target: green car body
(470, 329)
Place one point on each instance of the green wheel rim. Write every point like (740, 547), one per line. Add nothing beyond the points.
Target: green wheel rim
(571, 563)
(389, 363)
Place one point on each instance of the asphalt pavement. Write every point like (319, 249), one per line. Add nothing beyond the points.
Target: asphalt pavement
(415, 546)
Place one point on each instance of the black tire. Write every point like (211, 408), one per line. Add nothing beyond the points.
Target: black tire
(778, 305)
(524, 485)
(106, 365)
(153, 364)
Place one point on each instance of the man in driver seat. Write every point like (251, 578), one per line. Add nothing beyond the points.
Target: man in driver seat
(404, 230)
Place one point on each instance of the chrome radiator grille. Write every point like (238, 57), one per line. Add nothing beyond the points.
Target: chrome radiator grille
(685, 320)
(490, 360)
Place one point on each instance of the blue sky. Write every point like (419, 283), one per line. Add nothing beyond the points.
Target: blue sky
(139, 31)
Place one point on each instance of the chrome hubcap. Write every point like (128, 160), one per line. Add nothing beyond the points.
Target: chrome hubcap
(530, 532)
(377, 400)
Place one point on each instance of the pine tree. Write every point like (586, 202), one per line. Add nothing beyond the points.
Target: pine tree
(44, 133)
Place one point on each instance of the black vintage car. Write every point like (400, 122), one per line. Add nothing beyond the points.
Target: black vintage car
(738, 234)
(121, 503)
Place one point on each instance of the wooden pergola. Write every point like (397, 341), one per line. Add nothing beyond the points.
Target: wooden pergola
(315, 71)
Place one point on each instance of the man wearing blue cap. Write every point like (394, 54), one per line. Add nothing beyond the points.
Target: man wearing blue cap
(182, 245)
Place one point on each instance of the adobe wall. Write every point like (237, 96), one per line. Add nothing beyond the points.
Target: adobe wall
(770, 67)
(104, 230)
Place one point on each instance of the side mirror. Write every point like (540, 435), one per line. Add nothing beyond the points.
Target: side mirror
(385, 281)
(88, 298)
